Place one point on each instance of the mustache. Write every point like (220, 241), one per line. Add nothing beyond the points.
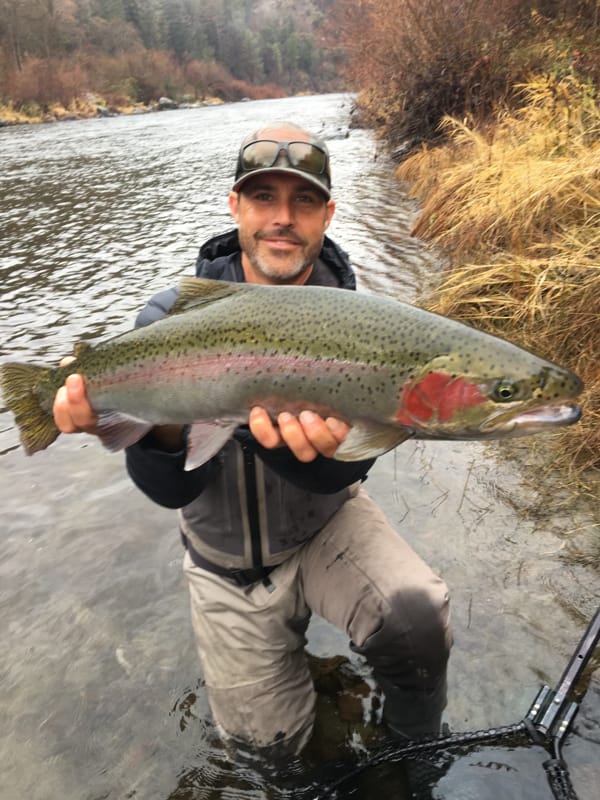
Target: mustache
(279, 233)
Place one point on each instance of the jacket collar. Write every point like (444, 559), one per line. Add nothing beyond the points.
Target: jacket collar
(219, 258)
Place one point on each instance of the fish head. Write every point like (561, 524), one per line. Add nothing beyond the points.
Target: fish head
(457, 398)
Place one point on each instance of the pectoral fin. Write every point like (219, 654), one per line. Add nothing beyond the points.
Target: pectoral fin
(368, 439)
(116, 430)
(206, 438)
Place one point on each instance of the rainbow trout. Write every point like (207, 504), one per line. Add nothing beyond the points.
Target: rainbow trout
(390, 370)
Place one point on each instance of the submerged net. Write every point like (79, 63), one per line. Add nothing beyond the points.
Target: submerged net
(427, 761)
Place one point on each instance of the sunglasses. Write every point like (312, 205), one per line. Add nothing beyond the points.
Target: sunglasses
(263, 153)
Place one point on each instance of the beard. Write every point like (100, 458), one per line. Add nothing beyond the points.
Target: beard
(279, 267)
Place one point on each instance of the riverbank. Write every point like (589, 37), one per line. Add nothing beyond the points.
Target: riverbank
(88, 107)
(495, 111)
(515, 206)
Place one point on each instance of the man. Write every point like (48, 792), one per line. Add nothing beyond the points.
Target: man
(274, 528)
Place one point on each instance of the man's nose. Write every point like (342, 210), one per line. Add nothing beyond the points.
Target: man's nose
(284, 212)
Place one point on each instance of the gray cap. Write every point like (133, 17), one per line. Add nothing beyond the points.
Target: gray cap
(317, 170)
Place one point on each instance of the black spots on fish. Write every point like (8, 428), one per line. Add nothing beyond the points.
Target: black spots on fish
(334, 389)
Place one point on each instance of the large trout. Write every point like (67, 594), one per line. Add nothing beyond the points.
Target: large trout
(390, 370)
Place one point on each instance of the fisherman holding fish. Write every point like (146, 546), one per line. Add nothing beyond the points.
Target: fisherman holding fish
(254, 399)
(274, 528)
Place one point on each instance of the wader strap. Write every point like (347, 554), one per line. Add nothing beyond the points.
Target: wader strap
(242, 577)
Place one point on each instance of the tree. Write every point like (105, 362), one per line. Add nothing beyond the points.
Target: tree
(12, 30)
(247, 40)
(273, 63)
(145, 16)
(53, 26)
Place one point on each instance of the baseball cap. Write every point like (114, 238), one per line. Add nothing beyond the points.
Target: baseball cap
(285, 148)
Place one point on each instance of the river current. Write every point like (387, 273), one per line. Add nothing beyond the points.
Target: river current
(101, 694)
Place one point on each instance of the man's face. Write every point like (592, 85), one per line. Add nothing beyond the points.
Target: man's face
(282, 220)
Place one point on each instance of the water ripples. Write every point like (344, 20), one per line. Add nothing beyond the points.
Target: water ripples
(99, 214)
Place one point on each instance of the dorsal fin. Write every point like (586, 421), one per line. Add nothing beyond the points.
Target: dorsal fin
(195, 292)
(79, 348)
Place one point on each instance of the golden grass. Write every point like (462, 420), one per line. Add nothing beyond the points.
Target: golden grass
(10, 115)
(79, 108)
(522, 183)
(517, 210)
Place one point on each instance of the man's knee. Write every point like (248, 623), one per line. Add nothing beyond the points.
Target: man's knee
(412, 635)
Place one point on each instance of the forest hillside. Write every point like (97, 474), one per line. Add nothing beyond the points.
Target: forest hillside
(58, 55)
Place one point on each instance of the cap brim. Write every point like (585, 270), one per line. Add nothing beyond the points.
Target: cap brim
(317, 181)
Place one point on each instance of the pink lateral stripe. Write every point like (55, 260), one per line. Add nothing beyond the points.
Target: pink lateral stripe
(214, 366)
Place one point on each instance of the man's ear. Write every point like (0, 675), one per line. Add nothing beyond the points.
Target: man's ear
(234, 204)
(330, 208)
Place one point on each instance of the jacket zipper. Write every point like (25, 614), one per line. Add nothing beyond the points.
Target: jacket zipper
(253, 514)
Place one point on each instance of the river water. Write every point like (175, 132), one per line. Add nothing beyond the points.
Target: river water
(101, 694)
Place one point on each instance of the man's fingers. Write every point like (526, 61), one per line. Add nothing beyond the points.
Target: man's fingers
(338, 428)
(323, 435)
(307, 436)
(62, 415)
(72, 411)
(262, 428)
(293, 433)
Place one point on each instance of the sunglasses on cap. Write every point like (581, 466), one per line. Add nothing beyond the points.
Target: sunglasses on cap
(263, 154)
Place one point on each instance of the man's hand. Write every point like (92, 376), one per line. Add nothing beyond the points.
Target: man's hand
(72, 412)
(307, 435)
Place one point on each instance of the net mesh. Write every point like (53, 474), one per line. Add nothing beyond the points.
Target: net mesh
(427, 761)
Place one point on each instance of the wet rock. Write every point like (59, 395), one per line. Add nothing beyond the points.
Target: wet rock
(166, 104)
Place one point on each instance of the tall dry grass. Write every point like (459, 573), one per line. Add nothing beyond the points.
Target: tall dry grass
(517, 209)
(415, 61)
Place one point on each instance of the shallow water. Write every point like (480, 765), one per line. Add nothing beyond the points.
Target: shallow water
(101, 693)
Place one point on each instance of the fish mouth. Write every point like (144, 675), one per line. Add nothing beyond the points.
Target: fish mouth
(533, 420)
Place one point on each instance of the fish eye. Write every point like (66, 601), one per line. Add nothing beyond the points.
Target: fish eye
(505, 391)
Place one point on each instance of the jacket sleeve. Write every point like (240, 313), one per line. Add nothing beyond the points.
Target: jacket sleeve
(161, 475)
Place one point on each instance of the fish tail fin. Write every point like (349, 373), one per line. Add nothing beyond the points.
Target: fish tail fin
(19, 384)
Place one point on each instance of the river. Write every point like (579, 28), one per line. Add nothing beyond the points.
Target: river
(101, 694)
